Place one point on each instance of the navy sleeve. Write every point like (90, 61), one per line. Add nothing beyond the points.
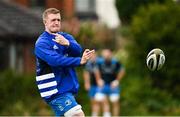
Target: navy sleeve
(119, 66)
(46, 53)
(74, 48)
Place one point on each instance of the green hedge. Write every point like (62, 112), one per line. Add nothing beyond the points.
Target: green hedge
(19, 95)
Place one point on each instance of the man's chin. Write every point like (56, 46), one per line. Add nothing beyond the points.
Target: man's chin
(54, 31)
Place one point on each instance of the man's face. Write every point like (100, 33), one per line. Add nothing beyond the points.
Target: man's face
(107, 54)
(53, 23)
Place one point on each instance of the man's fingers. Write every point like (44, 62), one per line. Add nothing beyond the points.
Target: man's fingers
(55, 34)
(90, 51)
(54, 40)
(86, 50)
(57, 40)
(88, 55)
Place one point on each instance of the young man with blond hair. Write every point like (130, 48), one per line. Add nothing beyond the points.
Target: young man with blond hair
(57, 53)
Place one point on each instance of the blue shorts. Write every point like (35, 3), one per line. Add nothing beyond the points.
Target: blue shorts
(63, 103)
(92, 91)
(107, 90)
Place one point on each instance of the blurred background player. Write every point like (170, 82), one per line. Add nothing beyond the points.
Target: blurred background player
(90, 74)
(111, 72)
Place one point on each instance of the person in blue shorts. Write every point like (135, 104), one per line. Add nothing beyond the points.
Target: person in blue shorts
(90, 74)
(57, 53)
(111, 72)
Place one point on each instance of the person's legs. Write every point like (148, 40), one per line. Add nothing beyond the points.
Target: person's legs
(66, 105)
(95, 107)
(79, 115)
(114, 98)
(115, 108)
(106, 107)
(74, 112)
(105, 102)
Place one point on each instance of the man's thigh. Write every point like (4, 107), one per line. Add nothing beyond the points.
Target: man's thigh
(63, 104)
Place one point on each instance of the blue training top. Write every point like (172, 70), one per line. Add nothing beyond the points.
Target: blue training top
(55, 64)
(109, 69)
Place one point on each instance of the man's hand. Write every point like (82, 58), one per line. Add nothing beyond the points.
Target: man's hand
(87, 86)
(114, 83)
(61, 39)
(100, 83)
(87, 54)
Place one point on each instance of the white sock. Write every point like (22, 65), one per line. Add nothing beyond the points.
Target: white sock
(106, 114)
(94, 114)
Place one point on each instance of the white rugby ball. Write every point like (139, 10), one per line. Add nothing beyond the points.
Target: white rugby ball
(155, 59)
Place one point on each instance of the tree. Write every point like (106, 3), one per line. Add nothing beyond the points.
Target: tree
(127, 8)
(156, 26)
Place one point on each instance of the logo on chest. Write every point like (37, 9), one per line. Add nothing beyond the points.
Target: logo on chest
(108, 68)
(55, 47)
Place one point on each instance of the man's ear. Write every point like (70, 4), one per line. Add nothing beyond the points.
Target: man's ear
(44, 21)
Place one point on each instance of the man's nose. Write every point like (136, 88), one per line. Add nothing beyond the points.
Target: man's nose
(56, 22)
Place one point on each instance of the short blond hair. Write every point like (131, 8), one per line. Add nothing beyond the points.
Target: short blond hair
(50, 11)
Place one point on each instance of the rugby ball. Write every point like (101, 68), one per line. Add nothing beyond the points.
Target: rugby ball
(155, 59)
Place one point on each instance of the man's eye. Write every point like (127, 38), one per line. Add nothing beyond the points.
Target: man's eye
(56, 20)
